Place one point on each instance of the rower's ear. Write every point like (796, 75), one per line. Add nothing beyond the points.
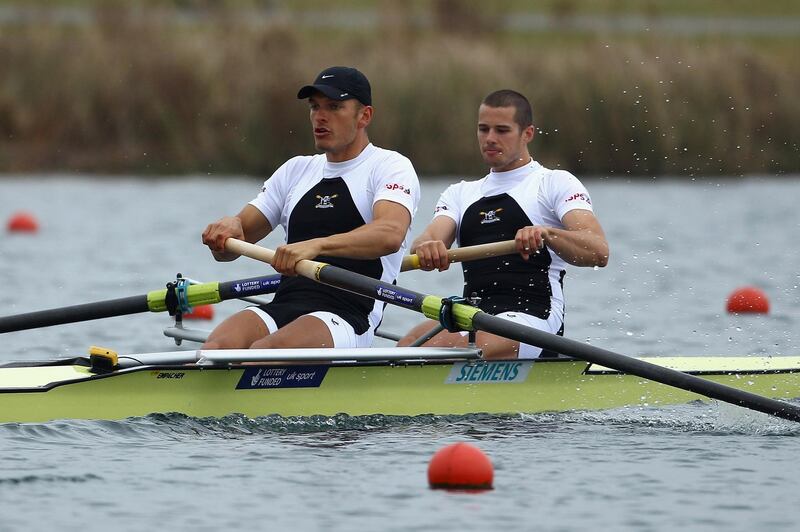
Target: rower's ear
(528, 133)
(364, 116)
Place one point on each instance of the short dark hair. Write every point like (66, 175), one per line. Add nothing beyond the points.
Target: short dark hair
(523, 114)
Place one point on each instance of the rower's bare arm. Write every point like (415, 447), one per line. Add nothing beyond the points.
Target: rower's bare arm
(431, 246)
(250, 225)
(384, 235)
(581, 243)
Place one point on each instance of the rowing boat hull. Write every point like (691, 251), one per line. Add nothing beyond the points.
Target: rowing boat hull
(35, 394)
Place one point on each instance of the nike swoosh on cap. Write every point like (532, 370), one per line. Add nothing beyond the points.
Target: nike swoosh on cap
(342, 95)
(328, 76)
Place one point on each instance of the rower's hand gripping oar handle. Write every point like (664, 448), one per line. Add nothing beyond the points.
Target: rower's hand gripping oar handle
(481, 251)
(306, 268)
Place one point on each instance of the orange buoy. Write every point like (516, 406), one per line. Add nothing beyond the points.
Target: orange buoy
(22, 222)
(748, 299)
(202, 312)
(460, 466)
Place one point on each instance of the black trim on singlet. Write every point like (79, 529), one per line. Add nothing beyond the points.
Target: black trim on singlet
(505, 283)
(326, 209)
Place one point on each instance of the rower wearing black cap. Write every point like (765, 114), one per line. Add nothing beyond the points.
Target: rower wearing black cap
(350, 206)
(340, 83)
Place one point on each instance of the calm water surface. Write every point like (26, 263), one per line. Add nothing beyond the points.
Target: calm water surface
(678, 250)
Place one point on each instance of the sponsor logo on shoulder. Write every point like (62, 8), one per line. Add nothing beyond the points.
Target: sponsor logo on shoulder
(398, 186)
(390, 294)
(282, 377)
(325, 202)
(490, 217)
(579, 196)
(489, 372)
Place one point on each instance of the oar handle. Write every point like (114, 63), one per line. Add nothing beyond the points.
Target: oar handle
(481, 251)
(306, 268)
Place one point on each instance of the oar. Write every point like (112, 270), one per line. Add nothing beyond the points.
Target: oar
(481, 251)
(470, 318)
(155, 301)
(203, 294)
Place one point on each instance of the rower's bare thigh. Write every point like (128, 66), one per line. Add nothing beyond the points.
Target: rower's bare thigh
(237, 332)
(419, 330)
(305, 331)
(493, 346)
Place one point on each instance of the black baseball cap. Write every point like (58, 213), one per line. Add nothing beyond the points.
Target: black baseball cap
(340, 83)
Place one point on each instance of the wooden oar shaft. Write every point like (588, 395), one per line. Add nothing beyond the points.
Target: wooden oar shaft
(410, 262)
(471, 318)
(306, 268)
(481, 251)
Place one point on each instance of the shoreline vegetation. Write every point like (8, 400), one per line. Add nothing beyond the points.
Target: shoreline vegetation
(144, 88)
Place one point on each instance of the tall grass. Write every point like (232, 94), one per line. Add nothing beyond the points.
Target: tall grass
(135, 90)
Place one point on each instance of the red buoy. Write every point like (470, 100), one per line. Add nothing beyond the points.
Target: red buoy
(22, 222)
(202, 312)
(460, 466)
(748, 299)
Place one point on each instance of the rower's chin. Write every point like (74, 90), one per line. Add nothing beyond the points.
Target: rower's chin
(493, 159)
(322, 143)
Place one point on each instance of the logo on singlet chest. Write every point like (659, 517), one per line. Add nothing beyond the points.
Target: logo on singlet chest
(490, 217)
(325, 202)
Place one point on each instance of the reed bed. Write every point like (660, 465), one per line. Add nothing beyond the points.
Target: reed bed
(134, 90)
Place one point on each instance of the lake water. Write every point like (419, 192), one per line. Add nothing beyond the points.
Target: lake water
(678, 249)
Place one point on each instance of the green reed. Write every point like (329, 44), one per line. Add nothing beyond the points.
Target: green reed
(139, 91)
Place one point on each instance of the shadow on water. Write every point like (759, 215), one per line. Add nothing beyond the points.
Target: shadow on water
(48, 479)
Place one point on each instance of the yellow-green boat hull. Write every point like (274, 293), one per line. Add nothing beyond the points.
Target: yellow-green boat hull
(35, 394)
